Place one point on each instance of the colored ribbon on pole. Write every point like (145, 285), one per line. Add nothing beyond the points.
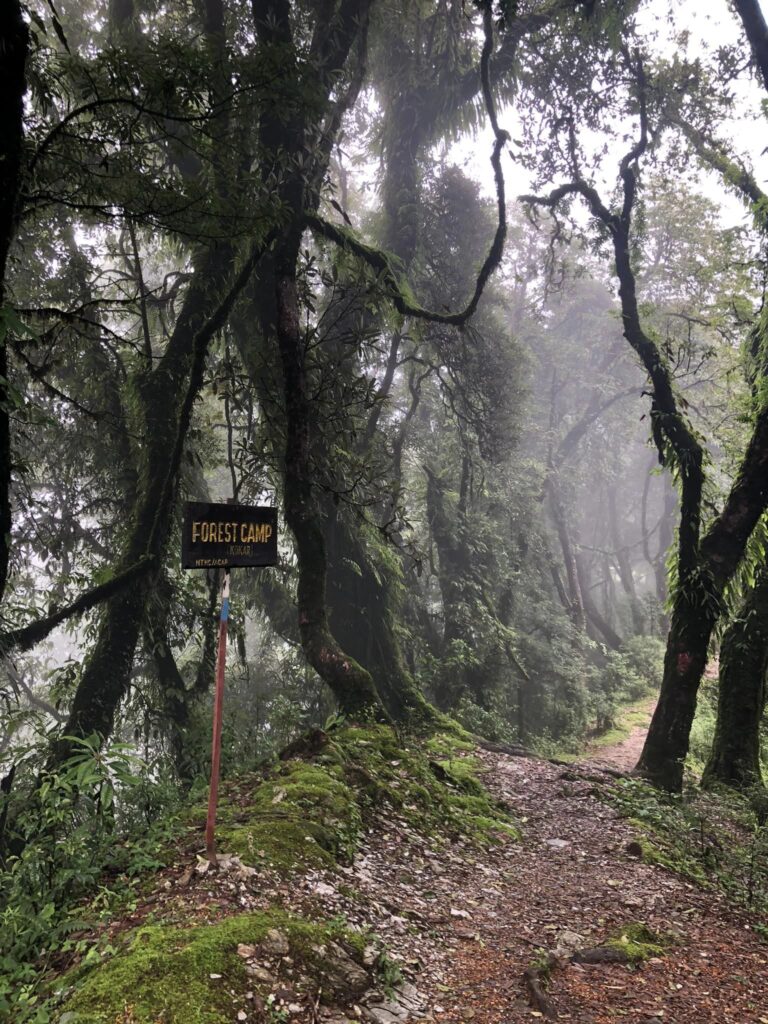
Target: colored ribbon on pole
(218, 703)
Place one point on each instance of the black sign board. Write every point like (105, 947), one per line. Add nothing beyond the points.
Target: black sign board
(228, 535)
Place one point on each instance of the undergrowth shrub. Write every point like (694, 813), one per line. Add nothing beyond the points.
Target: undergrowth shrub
(99, 816)
(717, 839)
(489, 723)
(627, 675)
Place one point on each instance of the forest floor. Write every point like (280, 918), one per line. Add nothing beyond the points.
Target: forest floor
(463, 925)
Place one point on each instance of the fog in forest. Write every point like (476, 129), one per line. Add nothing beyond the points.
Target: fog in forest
(472, 296)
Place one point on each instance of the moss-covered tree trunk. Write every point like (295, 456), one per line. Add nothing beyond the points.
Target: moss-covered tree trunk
(364, 615)
(165, 396)
(287, 136)
(624, 564)
(14, 45)
(735, 756)
(448, 530)
(351, 684)
(705, 565)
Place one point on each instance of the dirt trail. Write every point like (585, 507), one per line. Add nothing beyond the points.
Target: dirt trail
(572, 881)
(625, 754)
(465, 926)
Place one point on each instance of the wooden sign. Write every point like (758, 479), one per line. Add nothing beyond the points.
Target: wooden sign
(217, 534)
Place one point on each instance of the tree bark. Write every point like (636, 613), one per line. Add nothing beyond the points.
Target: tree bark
(364, 610)
(288, 132)
(704, 566)
(757, 33)
(735, 756)
(575, 597)
(14, 47)
(591, 610)
(351, 684)
(624, 565)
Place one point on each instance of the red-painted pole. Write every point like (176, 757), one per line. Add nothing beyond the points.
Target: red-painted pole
(218, 703)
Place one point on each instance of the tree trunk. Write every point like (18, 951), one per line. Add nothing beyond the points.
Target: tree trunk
(624, 565)
(575, 596)
(735, 756)
(14, 46)
(166, 397)
(351, 684)
(666, 536)
(694, 615)
(364, 618)
(591, 610)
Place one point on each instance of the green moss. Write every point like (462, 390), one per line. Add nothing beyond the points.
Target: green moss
(309, 813)
(463, 772)
(656, 847)
(448, 744)
(284, 845)
(302, 815)
(165, 974)
(638, 942)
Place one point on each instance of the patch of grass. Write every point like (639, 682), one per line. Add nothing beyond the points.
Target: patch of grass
(631, 717)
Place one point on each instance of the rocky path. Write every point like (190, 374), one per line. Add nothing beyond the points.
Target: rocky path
(572, 882)
(465, 928)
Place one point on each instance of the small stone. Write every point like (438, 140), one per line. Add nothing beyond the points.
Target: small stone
(260, 974)
(214, 977)
(370, 956)
(276, 943)
(242, 1015)
(568, 942)
(246, 952)
(557, 844)
(460, 913)
(294, 1008)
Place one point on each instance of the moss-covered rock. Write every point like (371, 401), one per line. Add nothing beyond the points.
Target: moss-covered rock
(302, 815)
(637, 942)
(200, 975)
(307, 812)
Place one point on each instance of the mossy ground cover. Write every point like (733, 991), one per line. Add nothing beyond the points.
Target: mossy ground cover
(719, 840)
(638, 942)
(189, 975)
(307, 812)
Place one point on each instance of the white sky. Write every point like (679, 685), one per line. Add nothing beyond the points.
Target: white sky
(710, 23)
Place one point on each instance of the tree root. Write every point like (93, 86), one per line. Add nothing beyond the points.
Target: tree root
(535, 978)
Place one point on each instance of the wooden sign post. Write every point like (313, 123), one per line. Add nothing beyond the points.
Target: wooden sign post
(223, 535)
(218, 705)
